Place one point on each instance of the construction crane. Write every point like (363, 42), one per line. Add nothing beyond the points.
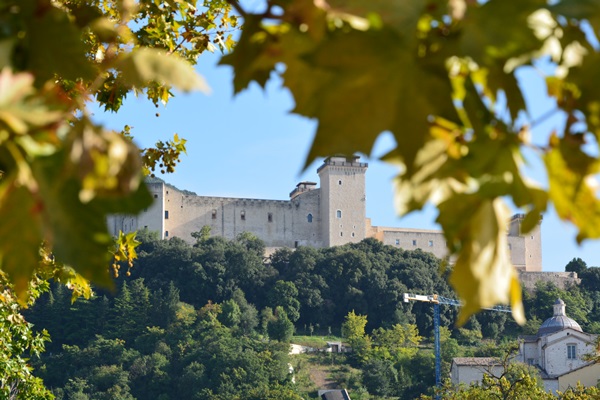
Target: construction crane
(437, 300)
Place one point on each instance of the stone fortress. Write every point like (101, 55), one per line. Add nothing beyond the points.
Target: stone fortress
(330, 215)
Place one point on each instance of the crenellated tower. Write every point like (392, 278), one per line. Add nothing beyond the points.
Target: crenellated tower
(343, 200)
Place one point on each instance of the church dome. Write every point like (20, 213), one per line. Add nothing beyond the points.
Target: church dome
(558, 321)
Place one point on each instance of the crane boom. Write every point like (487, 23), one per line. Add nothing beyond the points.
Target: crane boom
(437, 300)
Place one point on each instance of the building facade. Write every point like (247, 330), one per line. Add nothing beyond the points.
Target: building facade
(329, 215)
(558, 351)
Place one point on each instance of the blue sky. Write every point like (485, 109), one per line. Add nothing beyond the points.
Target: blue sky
(251, 146)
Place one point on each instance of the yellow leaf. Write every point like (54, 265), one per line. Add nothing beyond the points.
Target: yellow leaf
(483, 275)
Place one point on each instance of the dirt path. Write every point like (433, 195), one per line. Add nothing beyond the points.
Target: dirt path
(319, 374)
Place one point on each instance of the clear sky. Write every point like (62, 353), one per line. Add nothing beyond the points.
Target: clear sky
(251, 146)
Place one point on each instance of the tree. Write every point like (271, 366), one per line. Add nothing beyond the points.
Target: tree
(576, 265)
(280, 328)
(285, 294)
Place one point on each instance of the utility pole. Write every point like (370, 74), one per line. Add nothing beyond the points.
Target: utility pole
(437, 300)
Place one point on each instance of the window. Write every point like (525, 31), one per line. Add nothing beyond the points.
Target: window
(166, 214)
(309, 218)
(352, 234)
(156, 196)
(338, 213)
(243, 215)
(296, 244)
(214, 214)
(571, 351)
(166, 233)
(397, 241)
(531, 237)
(145, 226)
(414, 242)
(270, 217)
(339, 182)
(341, 233)
(431, 243)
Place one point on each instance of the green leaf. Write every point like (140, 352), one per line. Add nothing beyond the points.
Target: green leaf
(20, 233)
(142, 66)
(77, 231)
(55, 47)
(585, 78)
(479, 34)
(6, 50)
(573, 192)
(254, 56)
(364, 83)
(580, 10)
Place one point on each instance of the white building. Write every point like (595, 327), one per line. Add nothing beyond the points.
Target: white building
(468, 370)
(330, 215)
(558, 348)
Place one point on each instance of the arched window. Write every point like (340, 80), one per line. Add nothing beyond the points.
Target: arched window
(339, 213)
(309, 218)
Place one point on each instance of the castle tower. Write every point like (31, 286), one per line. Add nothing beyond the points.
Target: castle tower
(526, 248)
(343, 200)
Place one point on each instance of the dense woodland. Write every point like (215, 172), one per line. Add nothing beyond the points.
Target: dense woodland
(214, 321)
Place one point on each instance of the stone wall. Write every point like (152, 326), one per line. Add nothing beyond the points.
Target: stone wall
(562, 280)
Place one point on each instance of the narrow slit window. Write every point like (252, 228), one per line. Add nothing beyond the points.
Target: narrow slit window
(397, 241)
(166, 233)
(166, 214)
(243, 215)
(431, 243)
(414, 242)
(309, 218)
(214, 214)
(270, 217)
(338, 213)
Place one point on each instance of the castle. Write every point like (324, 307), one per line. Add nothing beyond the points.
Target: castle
(330, 215)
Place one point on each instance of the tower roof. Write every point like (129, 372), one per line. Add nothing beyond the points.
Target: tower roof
(559, 321)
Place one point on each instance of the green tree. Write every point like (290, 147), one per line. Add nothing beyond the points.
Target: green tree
(353, 330)
(280, 328)
(285, 294)
(576, 265)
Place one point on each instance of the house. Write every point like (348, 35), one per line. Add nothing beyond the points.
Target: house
(468, 370)
(334, 394)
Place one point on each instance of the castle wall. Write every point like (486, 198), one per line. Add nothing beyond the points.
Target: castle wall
(279, 223)
(332, 215)
(411, 239)
(562, 280)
